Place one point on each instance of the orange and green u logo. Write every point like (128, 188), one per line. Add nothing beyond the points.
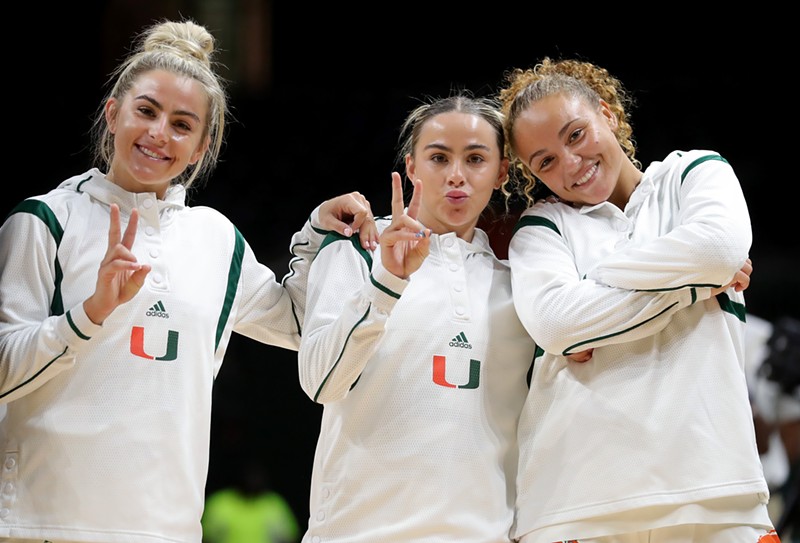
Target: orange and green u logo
(137, 345)
(439, 371)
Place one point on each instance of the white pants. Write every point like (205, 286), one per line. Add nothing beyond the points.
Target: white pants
(687, 533)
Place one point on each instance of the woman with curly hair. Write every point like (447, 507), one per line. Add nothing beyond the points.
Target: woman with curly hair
(650, 437)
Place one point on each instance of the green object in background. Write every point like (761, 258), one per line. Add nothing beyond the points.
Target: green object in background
(230, 516)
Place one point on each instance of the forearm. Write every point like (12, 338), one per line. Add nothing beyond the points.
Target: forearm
(346, 320)
(32, 353)
(697, 232)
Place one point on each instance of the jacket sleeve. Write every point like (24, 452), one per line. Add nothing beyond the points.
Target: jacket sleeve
(36, 341)
(707, 246)
(303, 248)
(566, 313)
(264, 315)
(348, 307)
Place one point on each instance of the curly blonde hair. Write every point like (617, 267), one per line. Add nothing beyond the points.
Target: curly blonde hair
(572, 77)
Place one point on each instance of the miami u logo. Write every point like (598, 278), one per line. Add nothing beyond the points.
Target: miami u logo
(439, 371)
(137, 345)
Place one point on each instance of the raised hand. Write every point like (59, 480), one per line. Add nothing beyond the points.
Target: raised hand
(120, 276)
(405, 243)
(349, 213)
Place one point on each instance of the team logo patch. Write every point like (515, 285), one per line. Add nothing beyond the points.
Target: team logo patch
(137, 345)
(440, 373)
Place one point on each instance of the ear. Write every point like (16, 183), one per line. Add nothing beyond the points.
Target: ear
(200, 151)
(410, 167)
(610, 116)
(502, 175)
(111, 114)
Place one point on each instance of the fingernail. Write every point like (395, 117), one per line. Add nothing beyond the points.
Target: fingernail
(348, 232)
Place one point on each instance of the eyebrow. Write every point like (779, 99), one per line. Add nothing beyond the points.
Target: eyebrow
(470, 147)
(157, 104)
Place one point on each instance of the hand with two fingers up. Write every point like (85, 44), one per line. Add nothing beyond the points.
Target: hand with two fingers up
(405, 243)
(120, 275)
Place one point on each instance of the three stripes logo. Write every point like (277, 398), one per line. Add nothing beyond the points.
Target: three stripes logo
(460, 341)
(157, 310)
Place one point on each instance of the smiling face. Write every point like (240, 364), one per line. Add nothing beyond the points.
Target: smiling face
(158, 129)
(459, 162)
(570, 145)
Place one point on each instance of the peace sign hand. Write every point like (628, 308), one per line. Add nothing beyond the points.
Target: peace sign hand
(405, 243)
(120, 276)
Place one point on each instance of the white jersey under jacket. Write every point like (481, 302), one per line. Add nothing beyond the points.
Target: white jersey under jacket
(106, 435)
(422, 383)
(659, 418)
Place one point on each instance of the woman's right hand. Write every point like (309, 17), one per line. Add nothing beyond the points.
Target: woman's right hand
(405, 243)
(120, 276)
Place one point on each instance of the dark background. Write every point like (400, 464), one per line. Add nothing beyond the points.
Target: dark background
(318, 94)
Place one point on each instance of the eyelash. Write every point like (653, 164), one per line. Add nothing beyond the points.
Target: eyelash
(181, 125)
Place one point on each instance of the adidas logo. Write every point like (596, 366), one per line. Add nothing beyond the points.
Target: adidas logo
(460, 341)
(157, 311)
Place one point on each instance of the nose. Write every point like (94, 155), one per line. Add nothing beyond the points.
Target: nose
(573, 161)
(455, 176)
(158, 130)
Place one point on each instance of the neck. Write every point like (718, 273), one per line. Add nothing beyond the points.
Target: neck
(629, 179)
